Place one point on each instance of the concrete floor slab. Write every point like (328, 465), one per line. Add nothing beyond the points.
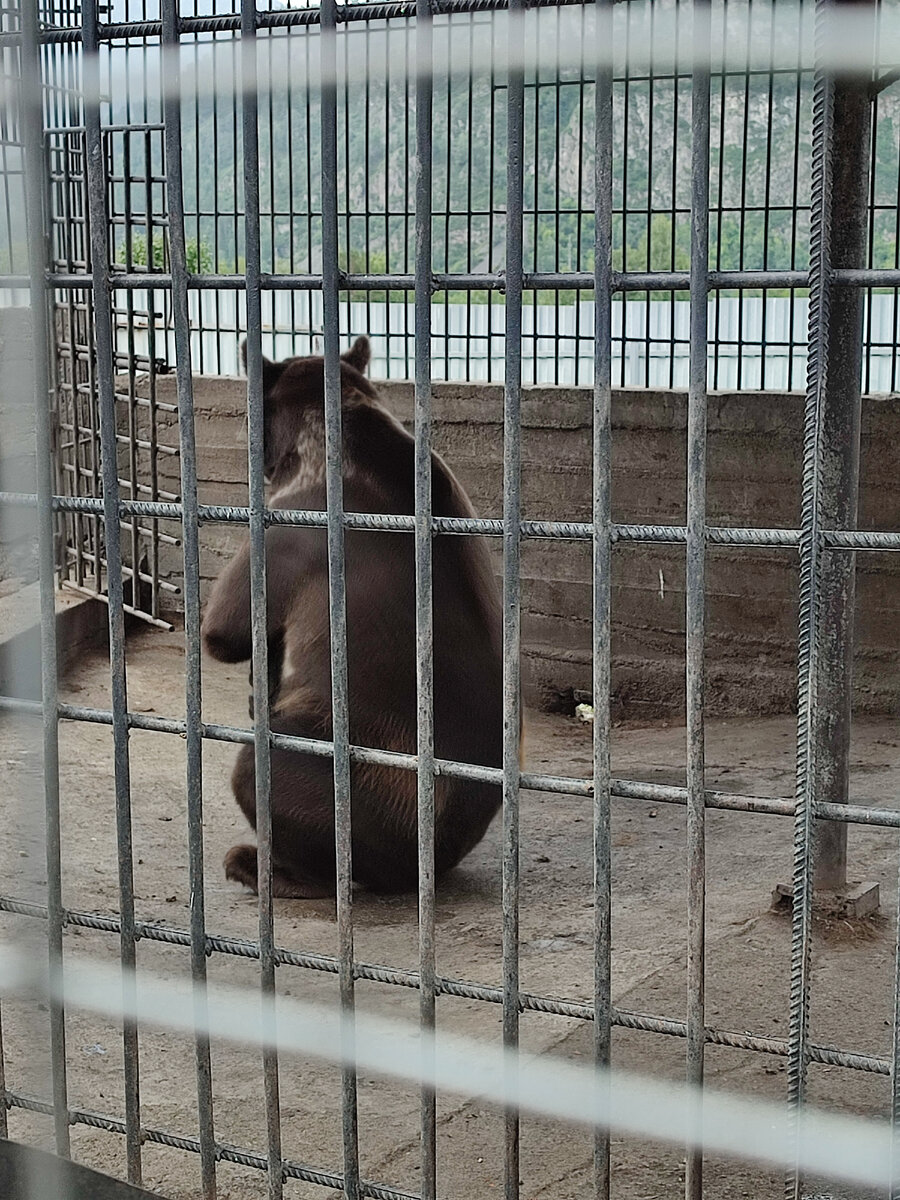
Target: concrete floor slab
(747, 960)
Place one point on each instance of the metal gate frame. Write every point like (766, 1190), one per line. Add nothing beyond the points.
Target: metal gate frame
(814, 542)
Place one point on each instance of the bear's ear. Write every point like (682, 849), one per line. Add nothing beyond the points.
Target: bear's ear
(272, 372)
(358, 355)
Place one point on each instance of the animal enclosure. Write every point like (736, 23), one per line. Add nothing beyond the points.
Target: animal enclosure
(658, 196)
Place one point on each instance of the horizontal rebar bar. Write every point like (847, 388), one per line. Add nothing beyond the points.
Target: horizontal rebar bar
(225, 514)
(281, 19)
(458, 988)
(224, 1152)
(626, 789)
(621, 281)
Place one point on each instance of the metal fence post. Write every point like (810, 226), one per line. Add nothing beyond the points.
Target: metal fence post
(839, 466)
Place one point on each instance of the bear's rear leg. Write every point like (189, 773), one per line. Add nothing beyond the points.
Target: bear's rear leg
(241, 866)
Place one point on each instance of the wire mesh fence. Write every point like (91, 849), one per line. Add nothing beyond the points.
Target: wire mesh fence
(164, 208)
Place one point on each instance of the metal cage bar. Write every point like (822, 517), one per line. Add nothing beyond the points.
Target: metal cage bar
(653, 793)
(101, 289)
(512, 516)
(336, 579)
(695, 569)
(32, 134)
(601, 516)
(837, 539)
(622, 281)
(810, 571)
(258, 594)
(462, 989)
(191, 553)
(424, 588)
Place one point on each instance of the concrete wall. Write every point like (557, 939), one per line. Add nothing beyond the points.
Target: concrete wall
(81, 624)
(17, 463)
(754, 465)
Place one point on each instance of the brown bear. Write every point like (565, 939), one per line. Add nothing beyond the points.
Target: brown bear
(378, 475)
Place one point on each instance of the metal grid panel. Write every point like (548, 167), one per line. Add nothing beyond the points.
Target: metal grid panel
(107, 505)
(760, 152)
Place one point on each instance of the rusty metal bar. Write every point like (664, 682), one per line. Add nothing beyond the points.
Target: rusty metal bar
(695, 591)
(95, 163)
(601, 517)
(191, 550)
(258, 595)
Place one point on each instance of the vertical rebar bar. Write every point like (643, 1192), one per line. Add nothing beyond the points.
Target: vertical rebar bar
(95, 170)
(602, 559)
(695, 590)
(32, 136)
(424, 592)
(810, 570)
(191, 554)
(512, 516)
(260, 651)
(336, 582)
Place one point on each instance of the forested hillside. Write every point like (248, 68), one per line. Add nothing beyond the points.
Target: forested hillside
(759, 162)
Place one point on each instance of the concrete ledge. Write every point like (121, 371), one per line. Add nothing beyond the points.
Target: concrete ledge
(82, 625)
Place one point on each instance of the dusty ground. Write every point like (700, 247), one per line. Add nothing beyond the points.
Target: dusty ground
(748, 947)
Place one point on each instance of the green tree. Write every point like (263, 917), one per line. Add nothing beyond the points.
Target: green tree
(198, 256)
(358, 262)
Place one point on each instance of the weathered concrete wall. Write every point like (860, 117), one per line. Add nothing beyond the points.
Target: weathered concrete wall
(754, 468)
(17, 464)
(81, 624)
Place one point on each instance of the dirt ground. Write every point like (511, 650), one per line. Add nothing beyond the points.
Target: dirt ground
(747, 958)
